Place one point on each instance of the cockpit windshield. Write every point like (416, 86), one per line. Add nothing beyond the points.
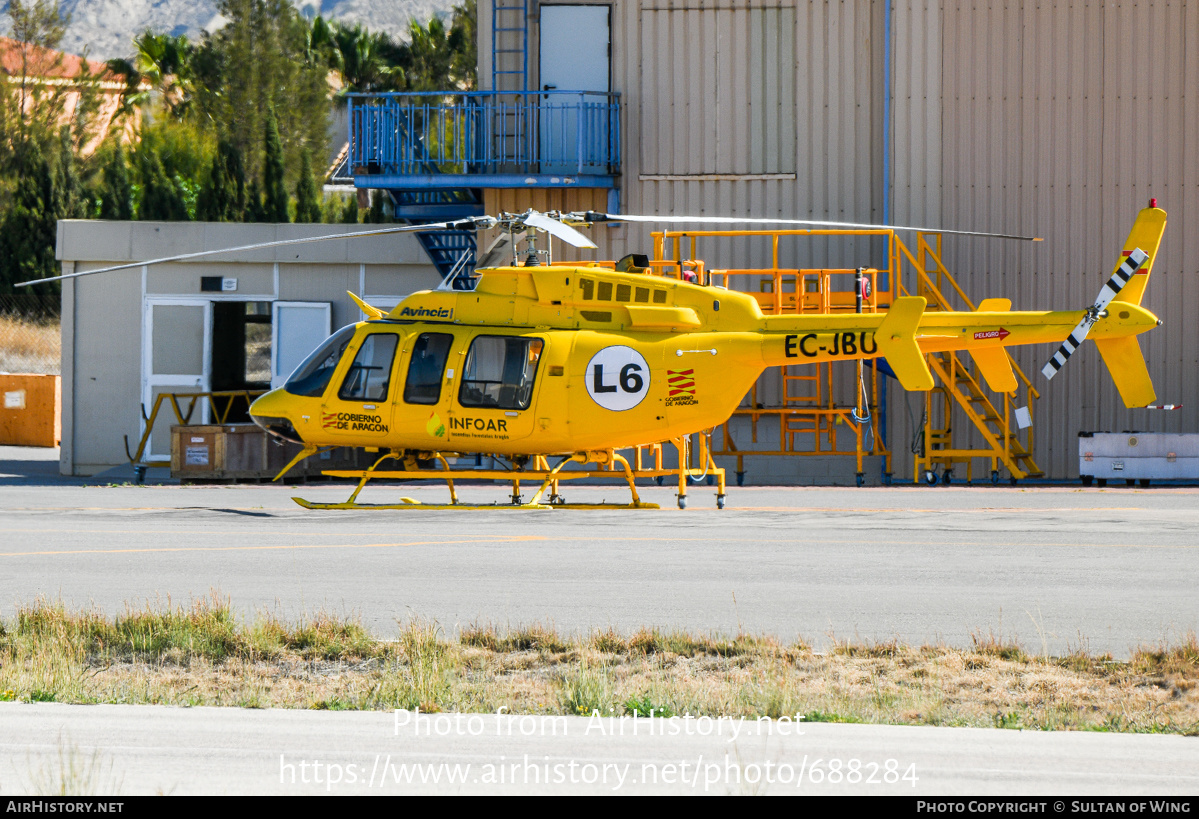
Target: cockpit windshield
(313, 374)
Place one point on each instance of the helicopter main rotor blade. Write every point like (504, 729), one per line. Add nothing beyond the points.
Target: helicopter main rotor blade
(555, 228)
(592, 216)
(460, 224)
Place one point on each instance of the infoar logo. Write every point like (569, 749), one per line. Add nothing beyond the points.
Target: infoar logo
(435, 427)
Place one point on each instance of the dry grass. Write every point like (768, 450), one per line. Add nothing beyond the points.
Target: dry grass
(29, 345)
(201, 655)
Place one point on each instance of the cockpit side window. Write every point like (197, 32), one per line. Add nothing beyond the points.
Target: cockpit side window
(314, 373)
(499, 372)
(426, 368)
(370, 374)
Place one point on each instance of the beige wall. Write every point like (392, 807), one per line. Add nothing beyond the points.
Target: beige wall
(103, 314)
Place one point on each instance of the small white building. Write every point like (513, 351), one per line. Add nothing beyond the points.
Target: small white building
(241, 320)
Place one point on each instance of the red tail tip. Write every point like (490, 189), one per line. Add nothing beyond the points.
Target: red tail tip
(1153, 202)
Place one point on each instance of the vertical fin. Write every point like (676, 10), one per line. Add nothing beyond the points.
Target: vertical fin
(1146, 234)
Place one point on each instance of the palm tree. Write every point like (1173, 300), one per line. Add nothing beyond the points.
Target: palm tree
(165, 62)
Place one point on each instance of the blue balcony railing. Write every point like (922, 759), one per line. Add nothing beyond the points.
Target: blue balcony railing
(485, 139)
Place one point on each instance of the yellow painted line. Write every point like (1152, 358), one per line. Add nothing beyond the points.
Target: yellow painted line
(200, 532)
(500, 539)
(1023, 510)
(868, 541)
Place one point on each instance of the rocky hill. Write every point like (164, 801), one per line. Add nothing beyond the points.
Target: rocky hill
(105, 28)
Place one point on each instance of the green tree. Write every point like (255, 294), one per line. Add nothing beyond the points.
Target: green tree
(275, 195)
(116, 194)
(29, 228)
(165, 64)
(223, 194)
(32, 109)
(463, 43)
(360, 57)
(255, 212)
(256, 63)
(308, 203)
(436, 58)
(68, 200)
(162, 199)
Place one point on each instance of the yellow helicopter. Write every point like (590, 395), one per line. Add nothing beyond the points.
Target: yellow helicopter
(539, 361)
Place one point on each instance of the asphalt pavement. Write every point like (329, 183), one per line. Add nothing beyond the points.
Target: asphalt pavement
(1056, 567)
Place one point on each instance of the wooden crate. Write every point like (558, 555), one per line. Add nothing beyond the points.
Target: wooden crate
(31, 410)
(245, 452)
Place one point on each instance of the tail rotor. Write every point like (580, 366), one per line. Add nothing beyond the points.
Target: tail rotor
(1111, 289)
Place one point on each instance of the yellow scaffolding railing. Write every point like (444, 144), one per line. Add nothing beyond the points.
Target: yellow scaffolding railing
(814, 423)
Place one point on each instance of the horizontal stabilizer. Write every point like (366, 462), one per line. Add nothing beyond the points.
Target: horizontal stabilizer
(896, 338)
(1127, 365)
(996, 367)
(994, 306)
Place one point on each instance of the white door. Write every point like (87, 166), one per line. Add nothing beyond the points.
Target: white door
(574, 57)
(176, 358)
(297, 328)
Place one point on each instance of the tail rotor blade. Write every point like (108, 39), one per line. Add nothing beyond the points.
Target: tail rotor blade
(1111, 289)
(1072, 342)
(1121, 277)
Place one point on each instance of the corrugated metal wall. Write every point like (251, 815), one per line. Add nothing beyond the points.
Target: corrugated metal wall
(1059, 119)
(1062, 120)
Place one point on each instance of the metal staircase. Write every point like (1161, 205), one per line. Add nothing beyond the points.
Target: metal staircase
(958, 385)
(445, 249)
(961, 390)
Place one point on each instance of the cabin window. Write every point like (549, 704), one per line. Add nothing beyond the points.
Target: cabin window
(315, 372)
(588, 289)
(641, 294)
(659, 297)
(499, 372)
(370, 374)
(623, 291)
(426, 368)
(604, 292)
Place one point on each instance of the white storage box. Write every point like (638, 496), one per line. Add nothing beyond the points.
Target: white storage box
(1137, 456)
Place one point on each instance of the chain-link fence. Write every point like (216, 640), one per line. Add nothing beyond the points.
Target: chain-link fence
(30, 334)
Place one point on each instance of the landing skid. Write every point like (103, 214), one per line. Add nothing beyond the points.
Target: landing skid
(408, 503)
(610, 464)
